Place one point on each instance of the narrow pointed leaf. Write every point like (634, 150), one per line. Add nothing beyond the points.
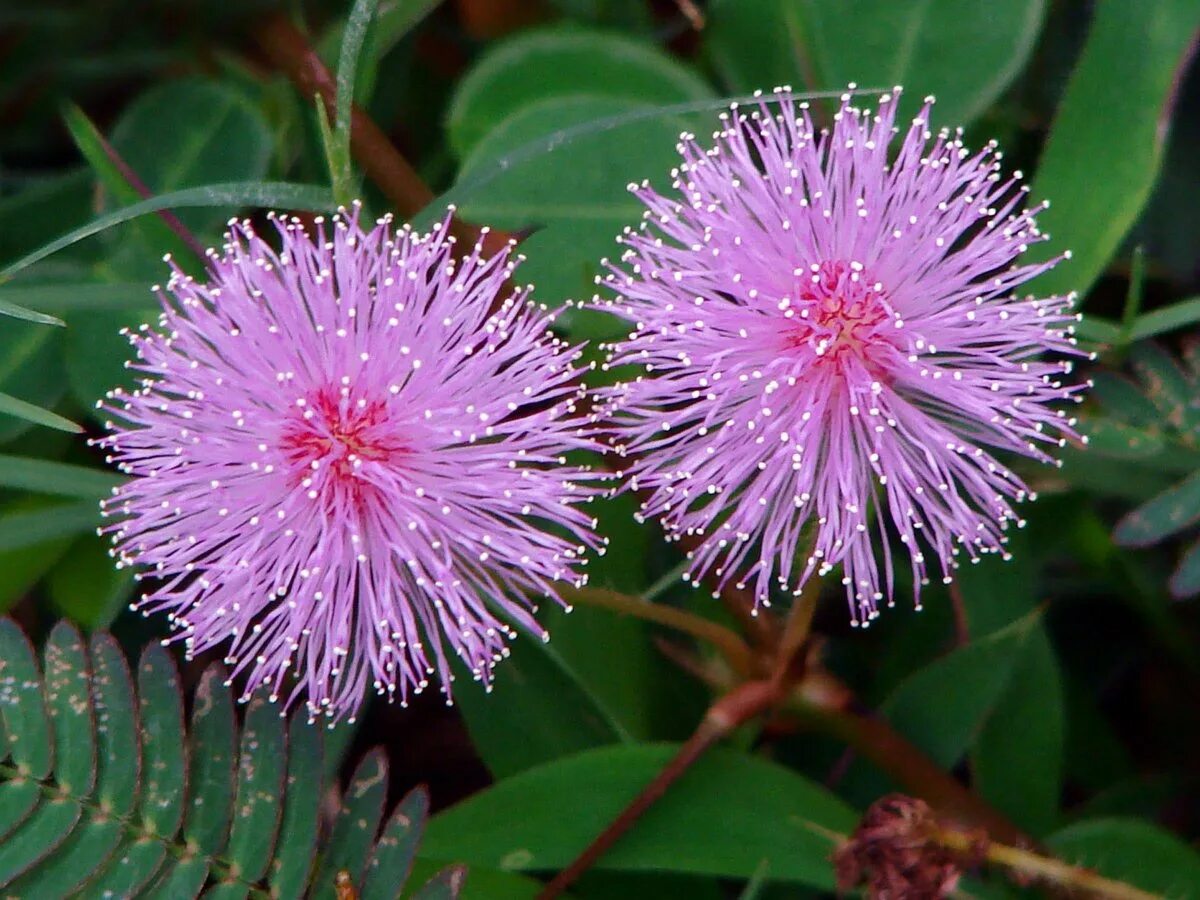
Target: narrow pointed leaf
(117, 728)
(164, 763)
(59, 479)
(69, 701)
(77, 297)
(1169, 318)
(260, 782)
(392, 859)
(84, 851)
(298, 828)
(1185, 581)
(19, 530)
(181, 880)
(12, 406)
(212, 751)
(25, 719)
(8, 308)
(357, 821)
(1173, 510)
(131, 869)
(37, 837)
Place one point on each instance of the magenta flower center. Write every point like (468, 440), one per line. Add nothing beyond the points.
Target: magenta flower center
(338, 434)
(842, 313)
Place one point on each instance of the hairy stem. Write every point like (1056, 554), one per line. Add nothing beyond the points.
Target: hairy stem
(729, 712)
(1045, 869)
(287, 48)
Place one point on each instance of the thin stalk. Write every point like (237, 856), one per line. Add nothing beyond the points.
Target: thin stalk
(733, 648)
(1044, 869)
(740, 705)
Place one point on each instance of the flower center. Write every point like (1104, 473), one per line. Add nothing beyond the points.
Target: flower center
(336, 436)
(842, 315)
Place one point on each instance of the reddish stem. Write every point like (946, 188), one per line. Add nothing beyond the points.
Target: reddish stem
(730, 711)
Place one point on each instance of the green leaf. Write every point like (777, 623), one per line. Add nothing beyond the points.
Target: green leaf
(1121, 441)
(86, 587)
(356, 824)
(1017, 759)
(543, 63)
(22, 705)
(19, 530)
(28, 412)
(298, 826)
(1131, 850)
(1185, 580)
(562, 167)
(29, 370)
(97, 353)
(164, 759)
(212, 748)
(1168, 387)
(536, 695)
(1171, 511)
(443, 886)
(392, 859)
(279, 195)
(60, 479)
(520, 823)
(257, 809)
(8, 308)
(78, 296)
(1115, 114)
(966, 53)
(72, 824)
(1121, 397)
(190, 132)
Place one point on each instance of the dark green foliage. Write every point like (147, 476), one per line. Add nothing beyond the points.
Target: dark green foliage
(104, 791)
(1155, 421)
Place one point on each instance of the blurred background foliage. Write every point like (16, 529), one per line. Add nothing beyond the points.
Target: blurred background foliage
(1063, 687)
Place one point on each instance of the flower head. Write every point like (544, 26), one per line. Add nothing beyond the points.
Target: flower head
(830, 347)
(347, 456)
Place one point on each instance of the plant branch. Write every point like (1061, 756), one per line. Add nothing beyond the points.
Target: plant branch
(730, 711)
(895, 755)
(732, 647)
(1027, 864)
(287, 48)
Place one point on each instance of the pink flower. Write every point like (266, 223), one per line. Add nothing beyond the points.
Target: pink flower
(830, 348)
(347, 457)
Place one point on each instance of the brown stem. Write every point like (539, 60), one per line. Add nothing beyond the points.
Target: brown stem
(287, 48)
(962, 628)
(732, 647)
(729, 712)
(142, 189)
(893, 754)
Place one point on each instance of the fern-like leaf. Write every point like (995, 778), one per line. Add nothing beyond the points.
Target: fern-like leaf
(104, 792)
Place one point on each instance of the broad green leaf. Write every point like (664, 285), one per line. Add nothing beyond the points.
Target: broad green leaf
(212, 748)
(97, 351)
(60, 479)
(1115, 114)
(540, 64)
(723, 818)
(536, 695)
(1185, 580)
(1173, 510)
(966, 53)
(1017, 759)
(536, 171)
(86, 587)
(358, 819)
(392, 859)
(1123, 399)
(257, 809)
(42, 209)
(298, 825)
(237, 195)
(1131, 850)
(1098, 330)
(191, 132)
